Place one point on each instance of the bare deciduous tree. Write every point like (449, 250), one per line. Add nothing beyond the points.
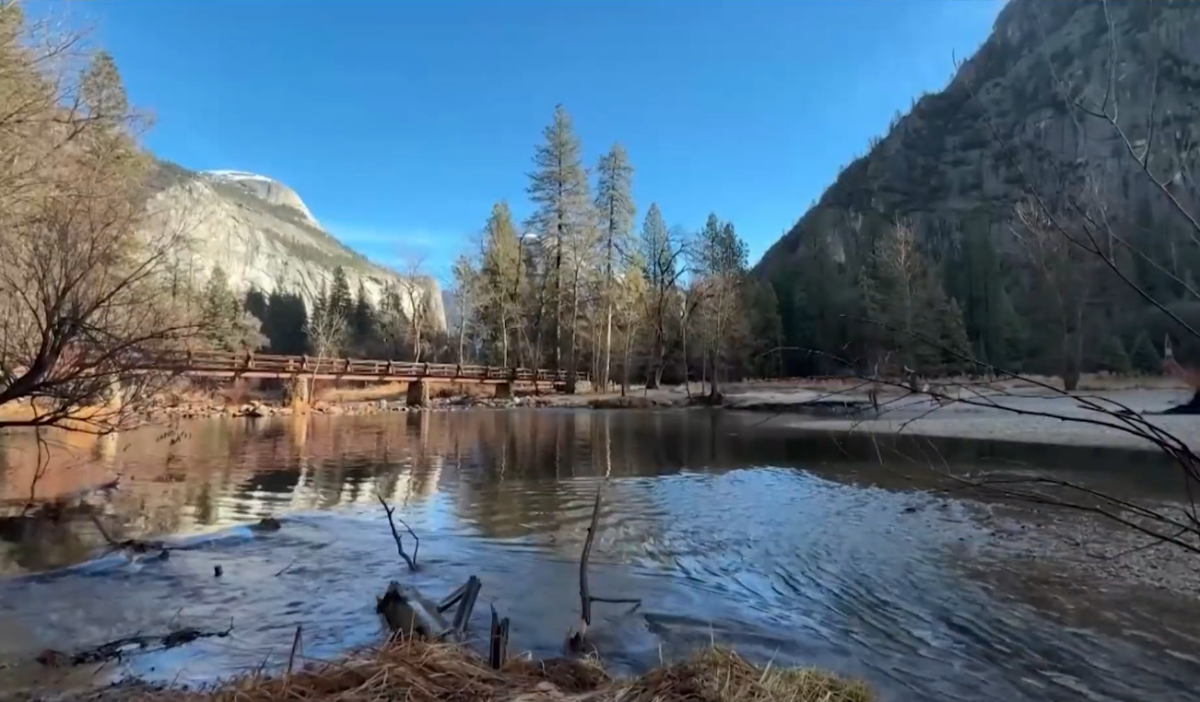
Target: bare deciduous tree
(416, 297)
(88, 328)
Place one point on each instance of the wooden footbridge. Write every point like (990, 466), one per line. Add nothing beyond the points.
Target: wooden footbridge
(225, 364)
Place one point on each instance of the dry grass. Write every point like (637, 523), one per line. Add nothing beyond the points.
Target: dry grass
(367, 393)
(419, 672)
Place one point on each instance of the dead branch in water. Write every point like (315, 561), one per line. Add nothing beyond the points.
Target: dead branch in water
(296, 644)
(466, 605)
(408, 613)
(576, 637)
(132, 545)
(498, 650)
(118, 648)
(411, 562)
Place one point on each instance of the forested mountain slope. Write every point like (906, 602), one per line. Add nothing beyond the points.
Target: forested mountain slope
(1029, 112)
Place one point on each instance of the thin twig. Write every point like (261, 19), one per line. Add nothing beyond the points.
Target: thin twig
(411, 562)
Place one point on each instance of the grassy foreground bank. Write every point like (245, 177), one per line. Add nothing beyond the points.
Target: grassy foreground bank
(415, 671)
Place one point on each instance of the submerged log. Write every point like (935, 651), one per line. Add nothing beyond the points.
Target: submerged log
(118, 648)
(408, 613)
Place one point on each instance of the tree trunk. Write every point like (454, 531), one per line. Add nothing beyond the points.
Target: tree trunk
(504, 343)
(571, 341)
(608, 325)
(687, 376)
(462, 338)
(625, 365)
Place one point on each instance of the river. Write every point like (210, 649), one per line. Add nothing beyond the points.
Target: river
(796, 548)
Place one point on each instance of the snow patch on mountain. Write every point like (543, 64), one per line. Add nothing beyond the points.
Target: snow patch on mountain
(264, 188)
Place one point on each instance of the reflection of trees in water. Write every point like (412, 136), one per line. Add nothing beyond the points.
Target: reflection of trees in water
(38, 541)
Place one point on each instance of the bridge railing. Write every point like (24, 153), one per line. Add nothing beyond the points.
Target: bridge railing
(241, 362)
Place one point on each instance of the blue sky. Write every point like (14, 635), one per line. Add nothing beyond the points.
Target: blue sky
(400, 122)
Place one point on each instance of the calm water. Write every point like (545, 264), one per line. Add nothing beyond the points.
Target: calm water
(785, 546)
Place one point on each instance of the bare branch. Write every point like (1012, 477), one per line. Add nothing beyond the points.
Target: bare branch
(410, 562)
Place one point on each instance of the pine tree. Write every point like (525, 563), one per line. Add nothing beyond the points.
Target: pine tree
(722, 268)
(363, 321)
(255, 303)
(661, 255)
(615, 209)
(558, 187)
(340, 301)
(1145, 358)
(220, 309)
(1113, 357)
(957, 352)
(284, 322)
(503, 277)
(765, 329)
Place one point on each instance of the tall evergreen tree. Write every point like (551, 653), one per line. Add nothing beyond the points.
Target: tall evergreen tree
(503, 278)
(363, 321)
(661, 255)
(615, 210)
(722, 267)
(558, 188)
(284, 322)
(340, 301)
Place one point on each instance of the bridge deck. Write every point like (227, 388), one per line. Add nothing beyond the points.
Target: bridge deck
(253, 365)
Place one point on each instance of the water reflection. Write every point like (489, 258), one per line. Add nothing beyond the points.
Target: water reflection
(706, 520)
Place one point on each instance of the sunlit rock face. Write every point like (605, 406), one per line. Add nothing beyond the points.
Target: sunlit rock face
(263, 235)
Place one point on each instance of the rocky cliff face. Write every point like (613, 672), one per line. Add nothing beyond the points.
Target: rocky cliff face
(261, 233)
(941, 165)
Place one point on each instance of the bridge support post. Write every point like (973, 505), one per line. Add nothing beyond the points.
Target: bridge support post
(418, 394)
(298, 389)
(504, 391)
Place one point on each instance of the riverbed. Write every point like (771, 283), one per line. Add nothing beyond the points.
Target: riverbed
(799, 547)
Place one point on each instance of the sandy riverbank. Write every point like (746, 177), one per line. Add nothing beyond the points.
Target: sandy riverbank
(1002, 412)
(1024, 415)
(998, 412)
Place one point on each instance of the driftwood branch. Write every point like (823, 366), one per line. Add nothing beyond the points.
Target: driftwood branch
(575, 638)
(408, 613)
(411, 562)
(119, 648)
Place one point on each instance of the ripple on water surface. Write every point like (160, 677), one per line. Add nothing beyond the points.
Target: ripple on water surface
(745, 539)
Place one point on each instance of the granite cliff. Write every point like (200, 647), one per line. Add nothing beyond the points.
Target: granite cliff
(261, 233)
(941, 165)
